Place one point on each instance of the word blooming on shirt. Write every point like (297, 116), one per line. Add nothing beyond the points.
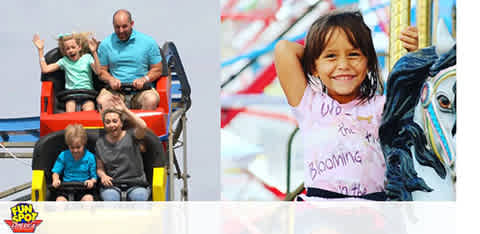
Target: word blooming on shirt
(342, 159)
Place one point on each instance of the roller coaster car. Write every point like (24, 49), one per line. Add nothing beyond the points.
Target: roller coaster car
(48, 148)
(53, 97)
(166, 124)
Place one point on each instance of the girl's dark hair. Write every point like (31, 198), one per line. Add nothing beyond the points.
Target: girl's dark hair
(358, 34)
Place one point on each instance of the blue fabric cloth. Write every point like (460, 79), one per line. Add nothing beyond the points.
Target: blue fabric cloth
(75, 170)
(131, 59)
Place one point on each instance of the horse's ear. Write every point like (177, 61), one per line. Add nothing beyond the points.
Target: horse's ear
(444, 41)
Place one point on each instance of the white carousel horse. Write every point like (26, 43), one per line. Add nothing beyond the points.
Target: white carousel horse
(436, 114)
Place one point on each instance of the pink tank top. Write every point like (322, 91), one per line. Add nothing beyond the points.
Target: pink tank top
(342, 150)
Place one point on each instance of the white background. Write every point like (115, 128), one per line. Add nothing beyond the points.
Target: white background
(192, 25)
(468, 84)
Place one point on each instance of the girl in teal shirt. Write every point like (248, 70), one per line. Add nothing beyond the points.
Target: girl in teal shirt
(77, 63)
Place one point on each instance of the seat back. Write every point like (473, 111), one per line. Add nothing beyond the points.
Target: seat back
(154, 156)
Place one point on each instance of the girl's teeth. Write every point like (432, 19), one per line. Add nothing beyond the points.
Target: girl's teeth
(343, 78)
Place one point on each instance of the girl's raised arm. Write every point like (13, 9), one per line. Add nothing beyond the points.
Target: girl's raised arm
(289, 70)
(46, 68)
(93, 45)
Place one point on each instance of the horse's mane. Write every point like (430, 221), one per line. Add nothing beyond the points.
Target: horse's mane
(398, 132)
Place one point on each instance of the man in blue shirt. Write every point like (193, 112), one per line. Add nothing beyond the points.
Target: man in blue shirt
(129, 56)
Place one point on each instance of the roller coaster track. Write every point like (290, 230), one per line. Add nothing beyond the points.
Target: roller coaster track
(24, 129)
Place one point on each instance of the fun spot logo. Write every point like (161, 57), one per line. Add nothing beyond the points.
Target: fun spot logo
(24, 218)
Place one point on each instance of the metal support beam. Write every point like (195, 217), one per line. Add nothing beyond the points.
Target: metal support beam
(176, 115)
(18, 155)
(184, 149)
(15, 189)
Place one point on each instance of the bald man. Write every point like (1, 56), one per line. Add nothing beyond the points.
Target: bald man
(129, 56)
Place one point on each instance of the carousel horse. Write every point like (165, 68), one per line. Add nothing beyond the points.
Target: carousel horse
(418, 127)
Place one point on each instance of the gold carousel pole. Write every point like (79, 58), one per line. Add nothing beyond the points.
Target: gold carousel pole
(424, 16)
(454, 21)
(434, 21)
(399, 19)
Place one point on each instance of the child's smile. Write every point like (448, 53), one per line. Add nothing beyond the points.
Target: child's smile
(343, 77)
(341, 67)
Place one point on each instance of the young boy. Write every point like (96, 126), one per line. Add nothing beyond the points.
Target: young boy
(77, 164)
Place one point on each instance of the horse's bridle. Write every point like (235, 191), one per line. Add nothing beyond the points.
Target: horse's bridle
(434, 127)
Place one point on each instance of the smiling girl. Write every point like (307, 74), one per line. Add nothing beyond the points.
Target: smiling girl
(77, 63)
(334, 88)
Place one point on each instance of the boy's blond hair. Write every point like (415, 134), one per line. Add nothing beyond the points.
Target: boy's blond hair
(80, 38)
(73, 131)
